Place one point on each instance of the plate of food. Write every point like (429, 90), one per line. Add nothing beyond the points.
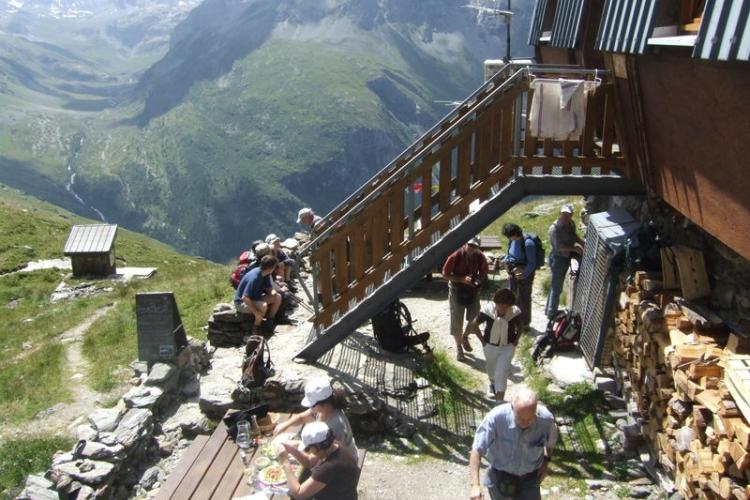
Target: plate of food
(272, 475)
(268, 450)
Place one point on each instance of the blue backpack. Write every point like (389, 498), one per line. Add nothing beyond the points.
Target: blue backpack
(538, 246)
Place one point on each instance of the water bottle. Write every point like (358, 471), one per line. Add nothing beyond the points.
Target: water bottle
(254, 428)
(243, 434)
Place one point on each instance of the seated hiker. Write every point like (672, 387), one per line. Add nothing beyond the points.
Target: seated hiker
(274, 242)
(324, 405)
(503, 326)
(333, 474)
(255, 294)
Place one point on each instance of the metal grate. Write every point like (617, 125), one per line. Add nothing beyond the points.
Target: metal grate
(596, 289)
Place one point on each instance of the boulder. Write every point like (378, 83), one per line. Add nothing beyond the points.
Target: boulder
(91, 472)
(189, 419)
(38, 487)
(87, 433)
(162, 375)
(134, 426)
(143, 397)
(99, 451)
(105, 419)
(218, 384)
(150, 478)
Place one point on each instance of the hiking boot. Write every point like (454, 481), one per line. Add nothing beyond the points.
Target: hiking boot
(285, 321)
(491, 391)
(466, 345)
(460, 355)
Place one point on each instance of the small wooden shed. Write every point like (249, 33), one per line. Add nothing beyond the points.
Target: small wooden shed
(91, 248)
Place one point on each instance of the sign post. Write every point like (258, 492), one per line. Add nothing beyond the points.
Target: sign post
(160, 330)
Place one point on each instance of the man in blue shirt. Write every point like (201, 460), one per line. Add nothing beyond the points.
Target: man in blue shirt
(521, 264)
(255, 294)
(517, 439)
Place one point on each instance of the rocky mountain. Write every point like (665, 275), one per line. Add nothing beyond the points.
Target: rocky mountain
(258, 107)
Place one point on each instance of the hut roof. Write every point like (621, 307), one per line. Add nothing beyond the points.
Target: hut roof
(90, 238)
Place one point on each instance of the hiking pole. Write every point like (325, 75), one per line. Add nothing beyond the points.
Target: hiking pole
(298, 301)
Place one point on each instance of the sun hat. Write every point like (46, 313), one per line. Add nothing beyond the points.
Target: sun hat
(262, 249)
(302, 213)
(317, 390)
(271, 238)
(314, 433)
(567, 208)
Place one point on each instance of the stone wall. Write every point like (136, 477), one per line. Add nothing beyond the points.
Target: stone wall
(118, 447)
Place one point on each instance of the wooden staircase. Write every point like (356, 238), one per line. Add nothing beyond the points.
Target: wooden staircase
(401, 223)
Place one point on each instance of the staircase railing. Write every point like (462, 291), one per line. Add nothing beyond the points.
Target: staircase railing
(415, 200)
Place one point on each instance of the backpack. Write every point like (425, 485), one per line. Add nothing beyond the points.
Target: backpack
(393, 328)
(538, 246)
(241, 269)
(257, 366)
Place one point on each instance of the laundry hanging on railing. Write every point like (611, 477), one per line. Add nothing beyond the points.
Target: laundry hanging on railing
(558, 108)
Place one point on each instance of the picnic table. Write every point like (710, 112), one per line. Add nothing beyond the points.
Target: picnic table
(212, 468)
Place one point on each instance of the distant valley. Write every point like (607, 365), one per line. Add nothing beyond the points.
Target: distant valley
(208, 125)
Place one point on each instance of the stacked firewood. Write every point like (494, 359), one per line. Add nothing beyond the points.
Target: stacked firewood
(673, 361)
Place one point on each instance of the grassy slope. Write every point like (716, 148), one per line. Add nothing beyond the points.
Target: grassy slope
(35, 230)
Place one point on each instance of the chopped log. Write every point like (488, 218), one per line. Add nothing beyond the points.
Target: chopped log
(711, 399)
(740, 457)
(698, 370)
(729, 488)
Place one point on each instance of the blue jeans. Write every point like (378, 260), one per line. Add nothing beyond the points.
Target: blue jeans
(559, 267)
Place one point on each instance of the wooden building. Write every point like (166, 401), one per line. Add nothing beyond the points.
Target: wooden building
(682, 96)
(91, 248)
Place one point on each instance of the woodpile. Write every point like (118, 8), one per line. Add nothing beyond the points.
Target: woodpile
(688, 385)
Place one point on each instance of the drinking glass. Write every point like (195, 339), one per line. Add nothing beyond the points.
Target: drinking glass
(243, 434)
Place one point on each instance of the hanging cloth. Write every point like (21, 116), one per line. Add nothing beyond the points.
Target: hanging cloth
(558, 108)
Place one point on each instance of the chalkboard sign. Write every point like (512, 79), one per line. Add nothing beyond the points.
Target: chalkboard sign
(160, 330)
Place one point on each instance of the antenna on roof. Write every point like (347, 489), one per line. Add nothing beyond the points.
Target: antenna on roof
(507, 14)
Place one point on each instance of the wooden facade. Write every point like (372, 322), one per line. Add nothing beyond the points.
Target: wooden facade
(684, 119)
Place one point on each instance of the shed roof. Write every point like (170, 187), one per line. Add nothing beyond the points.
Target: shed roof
(725, 31)
(91, 238)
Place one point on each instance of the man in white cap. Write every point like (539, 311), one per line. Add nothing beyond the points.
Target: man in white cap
(307, 218)
(465, 269)
(517, 439)
(285, 263)
(565, 243)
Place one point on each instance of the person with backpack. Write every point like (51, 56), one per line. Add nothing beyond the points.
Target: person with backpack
(565, 244)
(522, 261)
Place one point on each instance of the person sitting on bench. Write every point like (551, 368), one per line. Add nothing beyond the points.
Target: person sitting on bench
(324, 405)
(334, 475)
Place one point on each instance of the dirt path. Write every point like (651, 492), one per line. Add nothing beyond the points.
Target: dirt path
(62, 418)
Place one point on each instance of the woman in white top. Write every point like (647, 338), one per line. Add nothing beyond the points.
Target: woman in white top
(324, 405)
(503, 327)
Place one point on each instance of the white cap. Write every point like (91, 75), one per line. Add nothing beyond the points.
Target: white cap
(271, 238)
(317, 390)
(302, 213)
(314, 433)
(567, 208)
(474, 241)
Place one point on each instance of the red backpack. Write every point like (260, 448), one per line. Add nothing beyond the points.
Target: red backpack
(240, 270)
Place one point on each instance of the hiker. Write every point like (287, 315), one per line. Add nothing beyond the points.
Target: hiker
(255, 294)
(324, 404)
(307, 218)
(521, 264)
(502, 328)
(517, 439)
(465, 269)
(565, 244)
(333, 474)
(274, 242)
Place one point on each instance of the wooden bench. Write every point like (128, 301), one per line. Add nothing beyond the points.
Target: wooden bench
(211, 468)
